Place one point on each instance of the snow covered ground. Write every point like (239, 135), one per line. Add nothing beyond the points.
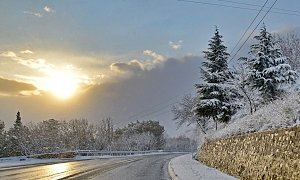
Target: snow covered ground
(185, 167)
(23, 160)
(135, 155)
(280, 113)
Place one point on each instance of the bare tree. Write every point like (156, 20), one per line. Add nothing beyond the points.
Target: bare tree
(184, 114)
(104, 134)
(290, 45)
(251, 96)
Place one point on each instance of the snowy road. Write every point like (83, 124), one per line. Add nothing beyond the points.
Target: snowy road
(143, 167)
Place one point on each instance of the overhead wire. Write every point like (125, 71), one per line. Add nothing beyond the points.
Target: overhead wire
(253, 31)
(146, 113)
(262, 7)
(256, 5)
(235, 7)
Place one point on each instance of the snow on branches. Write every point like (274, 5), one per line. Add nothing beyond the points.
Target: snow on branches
(217, 94)
(269, 70)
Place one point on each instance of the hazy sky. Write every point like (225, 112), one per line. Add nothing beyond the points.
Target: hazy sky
(128, 59)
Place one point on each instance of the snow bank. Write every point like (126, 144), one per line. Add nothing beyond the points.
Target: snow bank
(23, 160)
(122, 156)
(185, 167)
(278, 114)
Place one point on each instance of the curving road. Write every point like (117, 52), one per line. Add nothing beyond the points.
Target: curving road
(151, 167)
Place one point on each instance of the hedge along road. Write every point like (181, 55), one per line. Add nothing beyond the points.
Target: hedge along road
(143, 167)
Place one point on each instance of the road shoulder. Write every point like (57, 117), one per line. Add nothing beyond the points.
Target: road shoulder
(185, 167)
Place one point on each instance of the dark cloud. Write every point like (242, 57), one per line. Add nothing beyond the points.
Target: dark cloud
(132, 66)
(12, 87)
(138, 94)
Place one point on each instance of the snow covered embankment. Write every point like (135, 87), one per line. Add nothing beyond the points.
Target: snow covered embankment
(185, 167)
(281, 113)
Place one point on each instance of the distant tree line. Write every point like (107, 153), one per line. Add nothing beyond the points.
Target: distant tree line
(78, 134)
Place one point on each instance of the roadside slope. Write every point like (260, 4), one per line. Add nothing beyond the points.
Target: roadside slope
(185, 167)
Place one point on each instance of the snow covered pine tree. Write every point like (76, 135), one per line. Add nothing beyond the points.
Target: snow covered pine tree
(268, 67)
(216, 95)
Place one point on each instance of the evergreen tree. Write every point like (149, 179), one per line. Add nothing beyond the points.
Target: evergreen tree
(14, 144)
(268, 67)
(216, 93)
(2, 139)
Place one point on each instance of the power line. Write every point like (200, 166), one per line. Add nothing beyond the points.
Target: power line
(157, 111)
(256, 5)
(253, 30)
(262, 7)
(146, 112)
(235, 7)
(159, 114)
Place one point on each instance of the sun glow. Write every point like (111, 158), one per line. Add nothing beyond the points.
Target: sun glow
(63, 84)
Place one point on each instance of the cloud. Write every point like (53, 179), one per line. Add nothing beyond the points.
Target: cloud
(137, 66)
(132, 66)
(48, 9)
(33, 13)
(26, 52)
(8, 54)
(12, 87)
(39, 64)
(157, 57)
(176, 45)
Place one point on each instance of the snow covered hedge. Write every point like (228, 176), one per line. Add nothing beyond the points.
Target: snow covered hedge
(284, 112)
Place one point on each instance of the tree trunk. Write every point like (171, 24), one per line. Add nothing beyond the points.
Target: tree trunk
(248, 98)
(214, 118)
(201, 127)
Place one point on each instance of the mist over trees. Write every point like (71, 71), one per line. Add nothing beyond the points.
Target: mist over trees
(146, 135)
(181, 144)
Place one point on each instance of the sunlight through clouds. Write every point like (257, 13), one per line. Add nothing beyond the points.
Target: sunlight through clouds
(26, 52)
(62, 81)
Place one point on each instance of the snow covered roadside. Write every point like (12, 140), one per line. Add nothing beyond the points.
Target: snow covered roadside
(23, 160)
(185, 167)
(135, 155)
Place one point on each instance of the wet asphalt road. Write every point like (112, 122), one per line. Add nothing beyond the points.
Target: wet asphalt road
(152, 167)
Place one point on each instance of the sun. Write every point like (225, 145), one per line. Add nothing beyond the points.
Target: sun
(62, 84)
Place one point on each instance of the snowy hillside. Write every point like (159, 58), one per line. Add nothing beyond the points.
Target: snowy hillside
(283, 112)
